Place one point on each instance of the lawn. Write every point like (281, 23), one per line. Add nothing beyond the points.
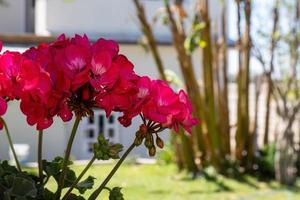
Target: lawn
(162, 182)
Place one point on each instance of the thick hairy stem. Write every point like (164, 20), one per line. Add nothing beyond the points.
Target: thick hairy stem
(96, 193)
(11, 144)
(67, 156)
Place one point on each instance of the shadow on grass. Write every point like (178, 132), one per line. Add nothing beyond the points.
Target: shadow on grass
(244, 180)
(164, 192)
(221, 186)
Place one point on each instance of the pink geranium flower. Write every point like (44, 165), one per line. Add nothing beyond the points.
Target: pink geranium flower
(75, 75)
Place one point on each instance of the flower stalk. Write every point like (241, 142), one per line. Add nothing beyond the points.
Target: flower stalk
(79, 178)
(67, 157)
(40, 155)
(96, 193)
(11, 145)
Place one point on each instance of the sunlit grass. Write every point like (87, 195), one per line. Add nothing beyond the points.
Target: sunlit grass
(163, 182)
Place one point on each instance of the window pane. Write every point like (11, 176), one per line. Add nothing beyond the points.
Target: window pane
(90, 147)
(111, 133)
(91, 133)
(91, 120)
(111, 119)
(101, 124)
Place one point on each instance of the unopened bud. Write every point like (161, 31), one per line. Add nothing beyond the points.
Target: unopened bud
(159, 142)
(152, 151)
(143, 129)
(138, 141)
(148, 142)
(138, 134)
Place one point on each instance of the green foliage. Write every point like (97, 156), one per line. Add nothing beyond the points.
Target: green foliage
(104, 150)
(20, 186)
(86, 184)
(54, 167)
(167, 155)
(265, 162)
(116, 194)
(194, 39)
(15, 184)
(75, 197)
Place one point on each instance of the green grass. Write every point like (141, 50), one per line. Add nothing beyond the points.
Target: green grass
(163, 182)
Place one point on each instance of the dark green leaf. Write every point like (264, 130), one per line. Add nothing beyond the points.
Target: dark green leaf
(105, 150)
(54, 167)
(70, 178)
(22, 187)
(116, 194)
(74, 197)
(86, 184)
(48, 195)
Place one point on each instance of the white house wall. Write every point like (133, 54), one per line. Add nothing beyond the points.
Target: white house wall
(12, 16)
(22, 133)
(114, 18)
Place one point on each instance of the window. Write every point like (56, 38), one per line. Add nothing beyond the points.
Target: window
(111, 133)
(101, 124)
(95, 125)
(90, 147)
(111, 119)
(91, 120)
(90, 133)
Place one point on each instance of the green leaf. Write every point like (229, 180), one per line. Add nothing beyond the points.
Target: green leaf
(116, 194)
(21, 187)
(54, 167)
(198, 27)
(70, 178)
(86, 184)
(5, 168)
(74, 197)
(48, 195)
(104, 150)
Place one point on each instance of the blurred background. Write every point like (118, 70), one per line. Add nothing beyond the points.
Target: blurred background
(238, 60)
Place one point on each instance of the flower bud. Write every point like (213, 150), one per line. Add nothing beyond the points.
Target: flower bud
(138, 141)
(138, 134)
(149, 141)
(143, 129)
(152, 151)
(159, 142)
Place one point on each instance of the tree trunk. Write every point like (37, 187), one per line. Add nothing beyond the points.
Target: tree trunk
(242, 134)
(285, 158)
(209, 90)
(269, 74)
(223, 96)
(192, 86)
(183, 159)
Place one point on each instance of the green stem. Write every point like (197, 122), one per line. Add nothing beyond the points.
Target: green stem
(66, 158)
(40, 153)
(96, 193)
(79, 178)
(11, 144)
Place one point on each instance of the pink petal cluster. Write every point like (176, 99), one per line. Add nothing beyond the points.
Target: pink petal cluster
(73, 75)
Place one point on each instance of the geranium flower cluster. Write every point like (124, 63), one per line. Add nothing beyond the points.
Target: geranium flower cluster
(74, 76)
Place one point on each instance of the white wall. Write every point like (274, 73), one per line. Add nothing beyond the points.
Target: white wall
(22, 133)
(114, 19)
(12, 16)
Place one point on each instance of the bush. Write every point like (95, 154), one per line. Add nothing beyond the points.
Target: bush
(264, 162)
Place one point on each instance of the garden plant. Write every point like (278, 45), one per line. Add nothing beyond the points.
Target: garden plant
(69, 78)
